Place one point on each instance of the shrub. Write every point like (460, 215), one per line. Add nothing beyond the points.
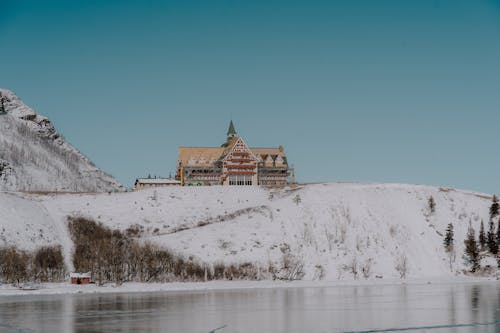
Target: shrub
(46, 264)
(14, 265)
(115, 256)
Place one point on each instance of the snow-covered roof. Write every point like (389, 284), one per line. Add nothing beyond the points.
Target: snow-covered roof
(80, 275)
(157, 181)
(204, 155)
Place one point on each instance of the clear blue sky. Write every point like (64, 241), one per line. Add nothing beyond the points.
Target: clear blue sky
(365, 91)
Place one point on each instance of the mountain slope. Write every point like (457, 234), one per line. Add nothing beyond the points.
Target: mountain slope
(34, 157)
(332, 231)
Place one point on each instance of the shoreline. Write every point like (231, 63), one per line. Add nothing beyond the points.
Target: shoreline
(65, 288)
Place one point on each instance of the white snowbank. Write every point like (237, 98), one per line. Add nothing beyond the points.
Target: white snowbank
(132, 287)
(337, 231)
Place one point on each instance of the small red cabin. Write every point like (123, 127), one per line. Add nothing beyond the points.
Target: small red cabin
(80, 278)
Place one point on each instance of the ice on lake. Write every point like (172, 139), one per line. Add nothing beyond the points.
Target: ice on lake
(389, 308)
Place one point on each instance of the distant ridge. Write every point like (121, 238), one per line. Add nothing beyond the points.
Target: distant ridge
(34, 156)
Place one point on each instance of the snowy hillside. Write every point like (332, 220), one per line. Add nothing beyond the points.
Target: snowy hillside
(333, 230)
(34, 157)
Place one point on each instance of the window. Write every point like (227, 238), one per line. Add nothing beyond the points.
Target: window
(240, 180)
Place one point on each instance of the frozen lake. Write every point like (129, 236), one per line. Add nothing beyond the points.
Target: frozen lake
(409, 308)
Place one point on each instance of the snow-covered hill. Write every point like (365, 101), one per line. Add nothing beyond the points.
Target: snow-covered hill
(333, 230)
(34, 157)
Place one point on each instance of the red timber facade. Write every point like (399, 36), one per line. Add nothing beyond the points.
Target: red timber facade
(234, 163)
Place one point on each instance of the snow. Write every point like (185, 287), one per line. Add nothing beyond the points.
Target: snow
(166, 181)
(80, 275)
(135, 287)
(332, 230)
(34, 157)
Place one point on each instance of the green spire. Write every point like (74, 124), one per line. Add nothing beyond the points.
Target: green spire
(231, 132)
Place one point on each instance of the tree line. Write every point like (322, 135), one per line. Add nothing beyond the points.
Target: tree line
(119, 256)
(487, 243)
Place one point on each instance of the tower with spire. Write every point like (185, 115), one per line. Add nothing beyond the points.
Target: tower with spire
(231, 133)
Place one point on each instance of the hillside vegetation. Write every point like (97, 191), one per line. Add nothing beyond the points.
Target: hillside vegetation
(322, 231)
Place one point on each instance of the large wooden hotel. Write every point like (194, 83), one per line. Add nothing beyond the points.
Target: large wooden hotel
(234, 163)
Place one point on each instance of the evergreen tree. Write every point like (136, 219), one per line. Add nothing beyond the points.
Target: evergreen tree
(498, 234)
(471, 250)
(2, 106)
(449, 245)
(482, 236)
(448, 238)
(494, 208)
(432, 205)
(492, 242)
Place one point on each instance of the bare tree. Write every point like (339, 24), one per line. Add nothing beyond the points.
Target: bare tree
(366, 269)
(14, 265)
(297, 199)
(352, 267)
(402, 265)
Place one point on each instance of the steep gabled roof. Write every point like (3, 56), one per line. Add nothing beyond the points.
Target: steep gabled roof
(268, 151)
(185, 153)
(230, 148)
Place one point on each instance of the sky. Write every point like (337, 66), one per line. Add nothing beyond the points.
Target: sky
(356, 91)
